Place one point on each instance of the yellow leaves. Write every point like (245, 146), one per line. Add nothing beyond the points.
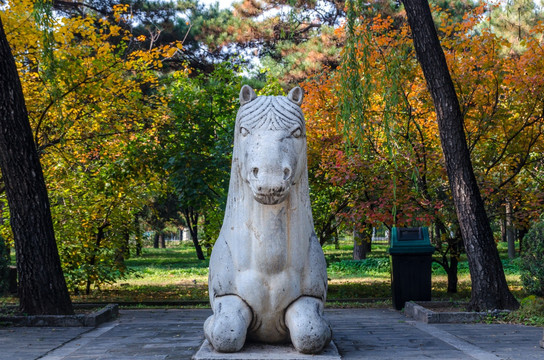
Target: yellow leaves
(101, 115)
(120, 12)
(115, 30)
(171, 52)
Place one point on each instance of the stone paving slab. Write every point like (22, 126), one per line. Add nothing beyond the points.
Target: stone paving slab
(24, 343)
(265, 352)
(503, 340)
(377, 334)
(381, 334)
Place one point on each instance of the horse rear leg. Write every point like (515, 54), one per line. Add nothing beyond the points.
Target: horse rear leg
(309, 330)
(226, 329)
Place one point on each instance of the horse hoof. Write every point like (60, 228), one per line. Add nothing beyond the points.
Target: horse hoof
(223, 336)
(309, 331)
(226, 330)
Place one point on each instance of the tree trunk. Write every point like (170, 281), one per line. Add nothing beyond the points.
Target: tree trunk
(156, 240)
(510, 231)
(123, 252)
(191, 217)
(124, 249)
(455, 253)
(162, 241)
(502, 223)
(450, 258)
(521, 234)
(42, 287)
(92, 261)
(137, 236)
(452, 275)
(361, 244)
(359, 247)
(489, 287)
(138, 245)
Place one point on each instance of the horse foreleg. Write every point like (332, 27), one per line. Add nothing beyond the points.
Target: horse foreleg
(309, 330)
(226, 329)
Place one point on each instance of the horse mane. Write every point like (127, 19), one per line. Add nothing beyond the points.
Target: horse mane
(275, 112)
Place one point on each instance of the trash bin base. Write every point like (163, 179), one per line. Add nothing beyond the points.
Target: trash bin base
(410, 278)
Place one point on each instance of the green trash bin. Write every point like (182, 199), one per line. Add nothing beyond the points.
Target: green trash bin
(411, 257)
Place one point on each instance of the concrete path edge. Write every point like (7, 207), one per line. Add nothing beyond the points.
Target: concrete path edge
(421, 311)
(100, 316)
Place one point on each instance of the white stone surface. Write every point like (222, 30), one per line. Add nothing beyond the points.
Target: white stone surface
(267, 261)
(257, 351)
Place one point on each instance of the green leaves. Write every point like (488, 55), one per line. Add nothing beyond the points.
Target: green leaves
(198, 161)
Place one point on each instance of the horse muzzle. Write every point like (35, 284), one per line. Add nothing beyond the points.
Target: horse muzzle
(270, 199)
(270, 193)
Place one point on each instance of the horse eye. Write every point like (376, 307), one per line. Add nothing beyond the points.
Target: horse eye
(297, 133)
(244, 131)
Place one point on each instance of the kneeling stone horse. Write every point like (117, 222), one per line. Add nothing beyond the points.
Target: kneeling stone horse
(268, 276)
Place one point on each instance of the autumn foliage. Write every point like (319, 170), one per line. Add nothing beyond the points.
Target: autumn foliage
(106, 117)
(95, 110)
(390, 170)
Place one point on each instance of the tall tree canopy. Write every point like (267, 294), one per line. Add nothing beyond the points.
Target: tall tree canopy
(42, 288)
(391, 169)
(95, 110)
(204, 112)
(489, 288)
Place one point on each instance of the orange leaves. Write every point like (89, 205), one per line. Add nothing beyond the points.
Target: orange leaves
(393, 160)
(499, 89)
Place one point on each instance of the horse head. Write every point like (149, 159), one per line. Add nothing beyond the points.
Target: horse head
(270, 142)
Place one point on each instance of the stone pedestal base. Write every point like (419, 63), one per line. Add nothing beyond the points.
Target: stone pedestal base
(542, 341)
(254, 351)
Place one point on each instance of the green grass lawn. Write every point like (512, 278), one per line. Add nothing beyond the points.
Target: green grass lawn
(175, 274)
(170, 274)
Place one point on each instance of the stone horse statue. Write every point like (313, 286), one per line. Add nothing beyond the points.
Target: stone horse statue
(268, 276)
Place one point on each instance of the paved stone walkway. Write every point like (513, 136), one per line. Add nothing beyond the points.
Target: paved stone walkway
(358, 333)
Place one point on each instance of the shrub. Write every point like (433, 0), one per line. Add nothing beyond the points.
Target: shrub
(370, 266)
(531, 311)
(532, 261)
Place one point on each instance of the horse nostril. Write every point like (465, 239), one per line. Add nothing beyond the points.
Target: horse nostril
(255, 172)
(286, 173)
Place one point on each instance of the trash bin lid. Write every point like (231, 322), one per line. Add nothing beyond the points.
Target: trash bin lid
(414, 240)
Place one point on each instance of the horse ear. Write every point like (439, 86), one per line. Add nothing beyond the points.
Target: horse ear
(296, 95)
(247, 95)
